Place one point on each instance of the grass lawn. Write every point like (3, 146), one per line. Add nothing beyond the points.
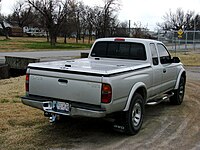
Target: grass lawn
(34, 44)
(188, 58)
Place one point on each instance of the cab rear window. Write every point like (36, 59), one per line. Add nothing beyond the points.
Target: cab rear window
(123, 50)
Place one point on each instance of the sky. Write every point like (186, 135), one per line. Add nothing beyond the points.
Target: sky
(146, 12)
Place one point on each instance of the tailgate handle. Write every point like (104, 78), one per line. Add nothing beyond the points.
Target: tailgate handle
(62, 80)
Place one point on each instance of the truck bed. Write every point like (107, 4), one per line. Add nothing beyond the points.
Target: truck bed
(90, 66)
(75, 80)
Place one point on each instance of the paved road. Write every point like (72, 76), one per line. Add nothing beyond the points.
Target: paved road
(193, 73)
(43, 55)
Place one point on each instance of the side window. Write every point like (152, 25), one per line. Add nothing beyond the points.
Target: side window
(164, 54)
(154, 54)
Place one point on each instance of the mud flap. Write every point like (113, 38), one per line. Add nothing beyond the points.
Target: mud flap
(118, 124)
(118, 127)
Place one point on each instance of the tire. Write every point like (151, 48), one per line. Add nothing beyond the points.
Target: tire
(178, 96)
(134, 116)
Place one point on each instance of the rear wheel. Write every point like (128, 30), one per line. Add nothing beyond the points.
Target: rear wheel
(178, 96)
(134, 116)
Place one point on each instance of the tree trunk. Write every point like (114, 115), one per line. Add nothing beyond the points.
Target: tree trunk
(77, 36)
(65, 39)
(5, 30)
(83, 38)
(53, 40)
(53, 36)
(48, 37)
(90, 36)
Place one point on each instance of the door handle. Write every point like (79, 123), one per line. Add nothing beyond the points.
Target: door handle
(63, 81)
(164, 70)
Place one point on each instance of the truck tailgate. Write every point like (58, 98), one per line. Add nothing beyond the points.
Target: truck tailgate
(66, 88)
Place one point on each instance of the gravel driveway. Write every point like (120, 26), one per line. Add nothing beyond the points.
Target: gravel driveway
(165, 126)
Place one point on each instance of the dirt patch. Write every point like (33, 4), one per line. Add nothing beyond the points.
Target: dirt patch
(165, 126)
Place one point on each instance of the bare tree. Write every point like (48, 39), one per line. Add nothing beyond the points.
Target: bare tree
(110, 7)
(193, 21)
(122, 29)
(189, 19)
(196, 22)
(22, 14)
(104, 18)
(84, 15)
(2, 23)
(4, 28)
(140, 31)
(69, 28)
(97, 21)
(90, 22)
(77, 17)
(54, 13)
(177, 20)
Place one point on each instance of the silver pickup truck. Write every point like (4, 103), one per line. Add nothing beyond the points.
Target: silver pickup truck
(119, 77)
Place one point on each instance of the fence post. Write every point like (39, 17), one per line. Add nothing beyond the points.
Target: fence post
(194, 34)
(186, 36)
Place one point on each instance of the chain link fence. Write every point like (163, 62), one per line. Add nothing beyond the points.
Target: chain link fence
(187, 41)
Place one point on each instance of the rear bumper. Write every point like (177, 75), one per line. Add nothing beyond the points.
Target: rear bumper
(74, 110)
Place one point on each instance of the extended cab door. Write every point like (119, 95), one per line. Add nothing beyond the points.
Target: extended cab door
(157, 71)
(168, 70)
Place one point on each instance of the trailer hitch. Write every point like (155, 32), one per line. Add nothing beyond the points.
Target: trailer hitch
(52, 119)
(48, 108)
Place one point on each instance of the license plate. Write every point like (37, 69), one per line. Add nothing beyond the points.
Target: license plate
(61, 106)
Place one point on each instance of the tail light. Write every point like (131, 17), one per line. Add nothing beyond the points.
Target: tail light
(27, 83)
(106, 93)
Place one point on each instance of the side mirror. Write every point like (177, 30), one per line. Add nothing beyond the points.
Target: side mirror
(175, 60)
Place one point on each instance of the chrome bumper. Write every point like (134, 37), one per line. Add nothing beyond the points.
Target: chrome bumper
(74, 111)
